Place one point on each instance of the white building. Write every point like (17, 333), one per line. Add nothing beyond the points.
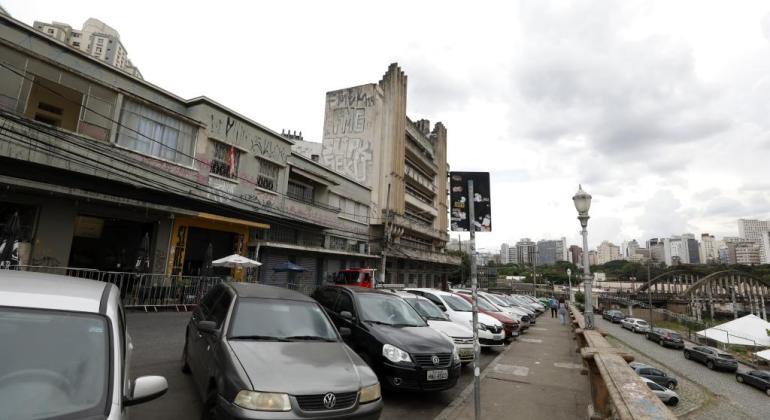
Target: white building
(607, 251)
(96, 39)
(709, 249)
(753, 230)
(504, 254)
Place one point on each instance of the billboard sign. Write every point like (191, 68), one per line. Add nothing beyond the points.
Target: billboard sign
(458, 197)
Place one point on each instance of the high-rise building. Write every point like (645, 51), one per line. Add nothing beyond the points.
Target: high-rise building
(657, 250)
(753, 230)
(368, 137)
(747, 253)
(576, 255)
(628, 249)
(504, 254)
(731, 245)
(550, 251)
(709, 249)
(96, 39)
(593, 258)
(607, 252)
(525, 251)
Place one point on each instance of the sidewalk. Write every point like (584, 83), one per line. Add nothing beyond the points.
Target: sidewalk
(537, 377)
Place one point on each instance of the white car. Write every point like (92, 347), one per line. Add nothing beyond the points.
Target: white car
(65, 351)
(461, 335)
(459, 311)
(536, 306)
(666, 395)
(517, 314)
(635, 324)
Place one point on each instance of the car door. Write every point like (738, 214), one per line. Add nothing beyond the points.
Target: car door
(327, 297)
(345, 304)
(218, 315)
(196, 345)
(657, 376)
(656, 389)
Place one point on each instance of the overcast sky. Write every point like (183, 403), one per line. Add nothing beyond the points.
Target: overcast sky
(659, 108)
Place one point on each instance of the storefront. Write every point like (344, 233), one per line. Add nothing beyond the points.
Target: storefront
(192, 235)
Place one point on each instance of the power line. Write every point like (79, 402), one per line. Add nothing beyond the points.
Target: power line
(119, 124)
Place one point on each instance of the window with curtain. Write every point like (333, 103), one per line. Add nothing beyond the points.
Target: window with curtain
(224, 161)
(151, 132)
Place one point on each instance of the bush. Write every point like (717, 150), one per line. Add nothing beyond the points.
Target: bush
(580, 298)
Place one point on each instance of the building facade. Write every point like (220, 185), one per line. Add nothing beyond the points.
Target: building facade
(96, 38)
(709, 249)
(576, 255)
(94, 160)
(368, 138)
(526, 251)
(550, 251)
(504, 248)
(754, 230)
(607, 251)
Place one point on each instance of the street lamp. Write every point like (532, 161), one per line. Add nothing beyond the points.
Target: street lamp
(569, 280)
(582, 203)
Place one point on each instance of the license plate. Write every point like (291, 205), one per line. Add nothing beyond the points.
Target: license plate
(438, 375)
(497, 337)
(466, 352)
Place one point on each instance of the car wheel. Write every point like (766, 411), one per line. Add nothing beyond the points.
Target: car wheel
(210, 407)
(710, 365)
(767, 391)
(185, 363)
(671, 386)
(673, 401)
(687, 355)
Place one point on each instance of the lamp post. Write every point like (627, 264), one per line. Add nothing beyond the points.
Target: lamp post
(569, 280)
(582, 202)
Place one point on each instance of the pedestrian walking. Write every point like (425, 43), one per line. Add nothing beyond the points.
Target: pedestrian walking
(562, 311)
(554, 305)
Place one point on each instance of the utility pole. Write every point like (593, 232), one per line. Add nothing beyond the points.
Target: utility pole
(385, 236)
(534, 273)
(649, 293)
(475, 297)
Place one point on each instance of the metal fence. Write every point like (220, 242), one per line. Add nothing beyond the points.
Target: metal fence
(143, 291)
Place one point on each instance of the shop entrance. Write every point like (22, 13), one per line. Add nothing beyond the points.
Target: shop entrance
(107, 244)
(198, 239)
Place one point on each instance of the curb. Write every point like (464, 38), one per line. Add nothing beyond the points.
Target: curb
(461, 399)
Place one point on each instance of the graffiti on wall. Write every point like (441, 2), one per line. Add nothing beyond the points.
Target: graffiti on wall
(348, 156)
(244, 135)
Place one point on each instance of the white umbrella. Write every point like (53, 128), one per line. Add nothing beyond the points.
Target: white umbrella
(235, 260)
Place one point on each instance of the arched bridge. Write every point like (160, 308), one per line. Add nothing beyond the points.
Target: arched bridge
(727, 290)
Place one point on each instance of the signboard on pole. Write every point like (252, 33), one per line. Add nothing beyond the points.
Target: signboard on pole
(459, 206)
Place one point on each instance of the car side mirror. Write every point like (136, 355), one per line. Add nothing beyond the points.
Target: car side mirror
(207, 327)
(146, 388)
(347, 316)
(345, 332)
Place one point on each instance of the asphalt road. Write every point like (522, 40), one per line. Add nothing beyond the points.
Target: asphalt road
(158, 341)
(751, 401)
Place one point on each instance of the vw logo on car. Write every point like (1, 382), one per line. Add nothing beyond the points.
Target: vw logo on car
(435, 360)
(329, 400)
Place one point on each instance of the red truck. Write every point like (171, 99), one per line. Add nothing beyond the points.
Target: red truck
(363, 277)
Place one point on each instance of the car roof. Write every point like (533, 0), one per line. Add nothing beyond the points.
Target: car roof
(253, 290)
(359, 289)
(26, 289)
(426, 289)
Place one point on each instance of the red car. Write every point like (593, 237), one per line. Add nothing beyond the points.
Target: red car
(510, 326)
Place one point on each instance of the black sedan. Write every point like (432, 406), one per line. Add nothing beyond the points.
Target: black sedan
(258, 352)
(666, 338)
(757, 378)
(712, 357)
(613, 316)
(392, 338)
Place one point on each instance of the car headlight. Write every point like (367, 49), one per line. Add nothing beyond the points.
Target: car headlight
(262, 401)
(455, 354)
(395, 354)
(370, 393)
(482, 327)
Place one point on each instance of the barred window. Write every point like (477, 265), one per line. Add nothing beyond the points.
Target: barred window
(225, 160)
(300, 192)
(267, 175)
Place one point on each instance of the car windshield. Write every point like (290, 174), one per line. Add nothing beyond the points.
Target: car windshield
(457, 303)
(54, 364)
(279, 320)
(389, 310)
(485, 305)
(426, 308)
(497, 301)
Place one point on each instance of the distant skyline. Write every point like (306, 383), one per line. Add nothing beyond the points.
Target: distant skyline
(658, 108)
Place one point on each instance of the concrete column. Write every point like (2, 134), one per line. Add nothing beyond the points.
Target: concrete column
(710, 293)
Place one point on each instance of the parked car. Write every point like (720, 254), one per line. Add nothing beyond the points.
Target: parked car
(461, 335)
(666, 395)
(507, 300)
(491, 331)
(492, 305)
(257, 351)
(654, 374)
(65, 350)
(392, 338)
(513, 327)
(666, 338)
(613, 315)
(538, 308)
(712, 357)
(635, 324)
(757, 378)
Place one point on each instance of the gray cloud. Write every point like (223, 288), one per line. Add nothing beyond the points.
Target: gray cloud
(662, 216)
